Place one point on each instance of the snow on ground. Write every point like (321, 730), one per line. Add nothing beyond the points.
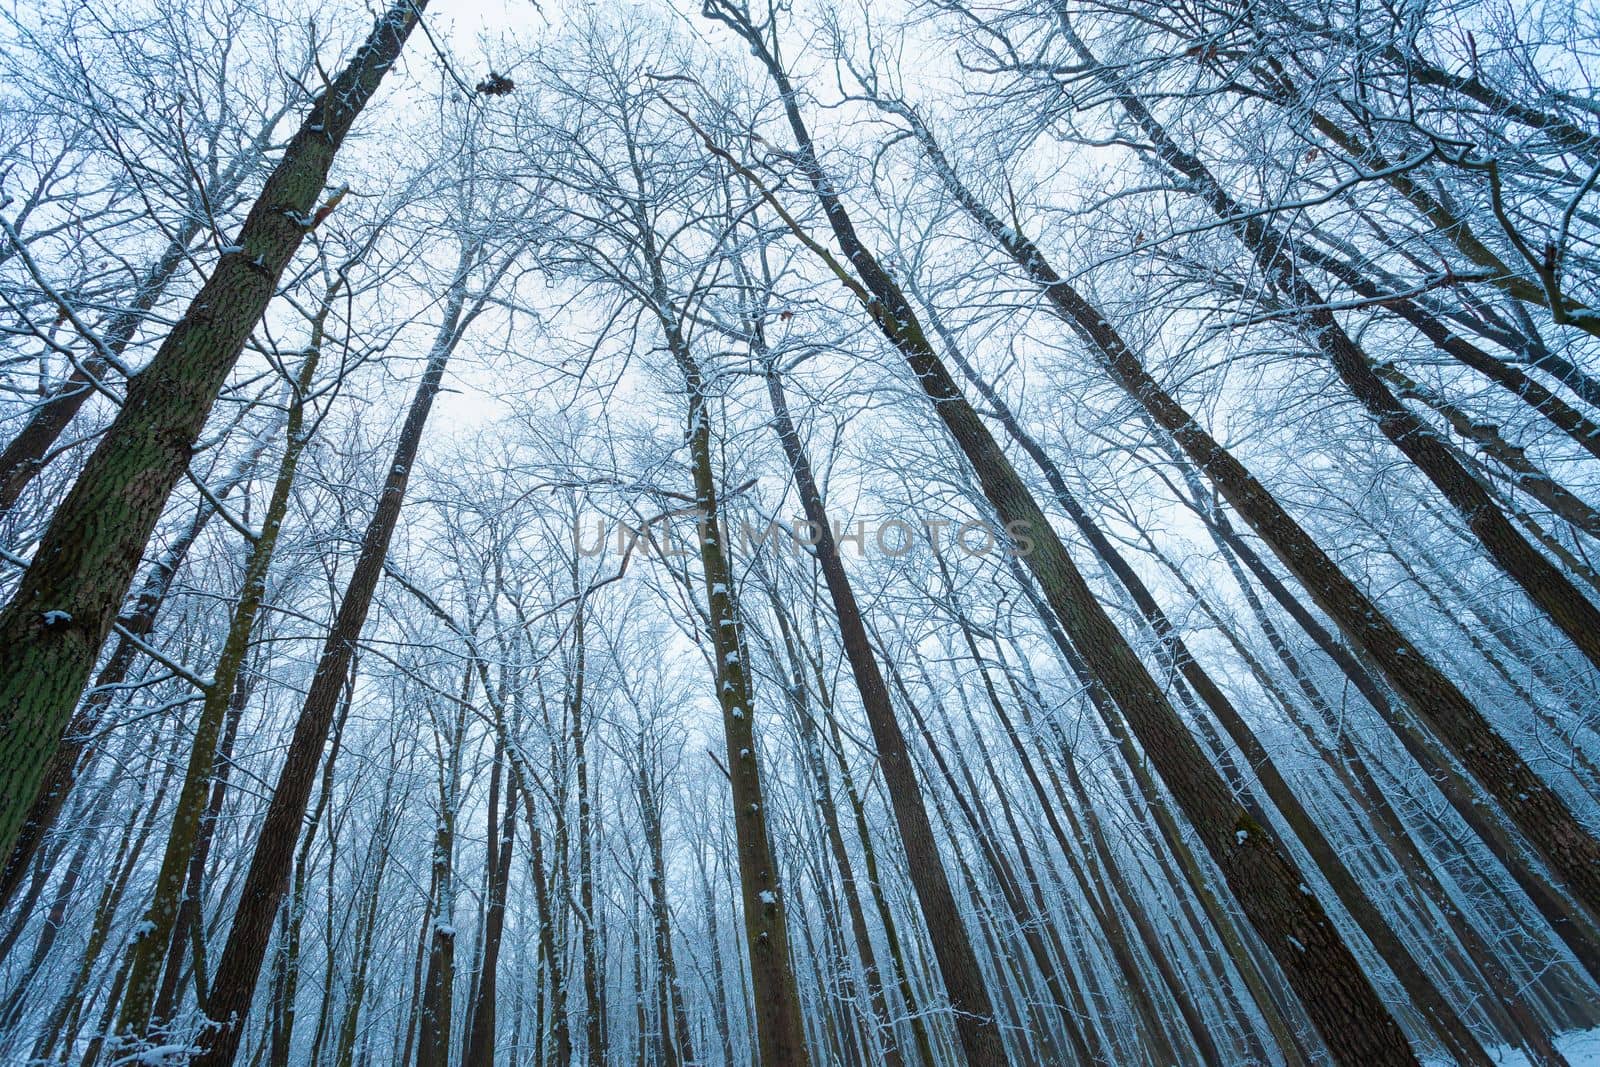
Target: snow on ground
(1582, 1049)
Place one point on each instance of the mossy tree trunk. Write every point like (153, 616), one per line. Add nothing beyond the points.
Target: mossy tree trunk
(54, 626)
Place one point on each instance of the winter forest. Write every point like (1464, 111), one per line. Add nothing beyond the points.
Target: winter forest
(785, 533)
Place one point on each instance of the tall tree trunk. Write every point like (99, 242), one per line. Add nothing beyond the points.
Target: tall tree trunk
(1092, 882)
(366, 936)
(481, 1035)
(1352, 1018)
(190, 929)
(780, 1025)
(677, 1038)
(817, 780)
(73, 755)
(958, 964)
(65, 1020)
(240, 964)
(594, 1026)
(292, 917)
(147, 952)
(438, 985)
(723, 1019)
(1569, 920)
(64, 605)
(1424, 994)
(49, 929)
(1532, 804)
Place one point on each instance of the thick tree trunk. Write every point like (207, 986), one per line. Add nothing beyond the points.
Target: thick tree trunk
(73, 754)
(56, 622)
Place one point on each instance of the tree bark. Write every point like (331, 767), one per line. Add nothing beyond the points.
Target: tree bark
(1353, 1020)
(1536, 808)
(62, 610)
(481, 1035)
(958, 964)
(147, 952)
(240, 964)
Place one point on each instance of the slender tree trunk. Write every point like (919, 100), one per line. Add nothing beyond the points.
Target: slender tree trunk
(678, 1039)
(827, 812)
(1353, 1020)
(594, 1027)
(292, 917)
(481, 1037)
(438, 986)
(240, 964)
(147, 952)
(366, 937)
(1570, 922)
(190, 930)
(1532, 804)
(49, 929)
(1063, 994)
(1092, 883)
(911, 999)
(780, 1025)
(723, 1019)
(1424, 994)
(62, 1027)
(969, 998)
(1544, 584)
